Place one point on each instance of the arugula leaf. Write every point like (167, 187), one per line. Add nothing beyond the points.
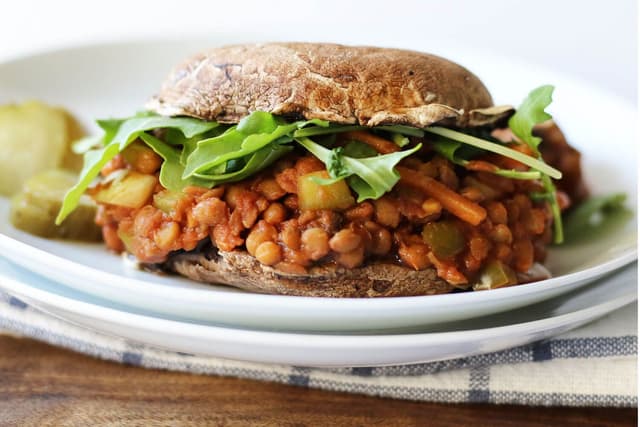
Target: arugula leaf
(207, 151)
(364, 190)
(376, 174)
(94, 161)
(359, 149)
(256, 162)
(87, 143)
(110, 126)
(129, 130)
(325, 129)
(594, 215)
(333, 128)
(399, 139)
(253, 133)
(231, 145)
(119, 134)
(404, 130)
(335, 166)
(458, 153)
(550, 189)
(493, 147)
(201, 153)
(171, 170)
(92, 142)
(455, 151)
(257, 122)
(530, 113)
(176, 139)
(515, 174)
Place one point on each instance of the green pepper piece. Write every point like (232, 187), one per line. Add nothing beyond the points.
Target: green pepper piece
(496, 274)
(444, 238)
(167, 200)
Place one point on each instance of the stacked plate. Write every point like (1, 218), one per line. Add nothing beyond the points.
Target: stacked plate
(92, 287)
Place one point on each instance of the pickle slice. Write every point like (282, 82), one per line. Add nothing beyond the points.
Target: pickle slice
(34, 210)
(34, 137)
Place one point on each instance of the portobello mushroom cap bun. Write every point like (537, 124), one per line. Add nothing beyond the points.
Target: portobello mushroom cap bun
(369, 86)
(330, 171)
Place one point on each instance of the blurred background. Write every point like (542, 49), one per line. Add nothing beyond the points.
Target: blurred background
(592, 40)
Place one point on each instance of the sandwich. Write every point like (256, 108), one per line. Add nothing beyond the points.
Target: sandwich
(334, 171)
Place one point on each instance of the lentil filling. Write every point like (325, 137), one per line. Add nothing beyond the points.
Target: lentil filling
(277, 215)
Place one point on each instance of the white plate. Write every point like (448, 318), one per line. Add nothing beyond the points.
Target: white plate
(92, 83)
(460, 339)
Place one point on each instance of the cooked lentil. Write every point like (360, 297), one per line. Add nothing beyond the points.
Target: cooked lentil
(261, 215)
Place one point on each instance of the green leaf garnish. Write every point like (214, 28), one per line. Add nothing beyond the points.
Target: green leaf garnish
(129, 129)
(206, 154)
(325, 130)
(595, 215)
(94, 161)
(231, 145)
(254, 163)
(376, 174)
(515, 174)
(87, 143)
(359, 150)
(404, 130)
(171, 170)
(493, 147)
(399, 139)
(253, 133)
(118, 134)
(455, 152)
(530, 113)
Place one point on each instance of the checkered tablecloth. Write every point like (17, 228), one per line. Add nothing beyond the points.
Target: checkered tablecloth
(591, 366)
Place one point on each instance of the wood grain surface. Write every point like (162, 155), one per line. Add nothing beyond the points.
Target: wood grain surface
(42, 385)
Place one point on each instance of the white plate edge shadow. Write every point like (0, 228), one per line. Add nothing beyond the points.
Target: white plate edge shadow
(531, 293)
(306, 349)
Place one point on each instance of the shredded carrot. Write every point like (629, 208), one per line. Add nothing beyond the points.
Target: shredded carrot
(523, 148)
(379, 144)
(507, 136)
(449, 272)
(458, 205)
(480, 166)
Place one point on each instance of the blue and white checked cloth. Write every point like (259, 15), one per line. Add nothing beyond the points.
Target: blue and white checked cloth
(591, 366)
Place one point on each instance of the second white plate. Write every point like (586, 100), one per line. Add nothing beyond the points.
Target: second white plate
(453, 340)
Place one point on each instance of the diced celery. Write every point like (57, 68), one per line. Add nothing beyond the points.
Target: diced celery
(126, 240)
(314, 196)
(444, 238)
(166, 200)
(132, 191)
(495, 274)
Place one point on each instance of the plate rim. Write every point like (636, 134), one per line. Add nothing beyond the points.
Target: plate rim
(100, 312)
(120, 282)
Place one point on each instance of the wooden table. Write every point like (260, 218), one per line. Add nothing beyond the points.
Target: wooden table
(41, 385)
